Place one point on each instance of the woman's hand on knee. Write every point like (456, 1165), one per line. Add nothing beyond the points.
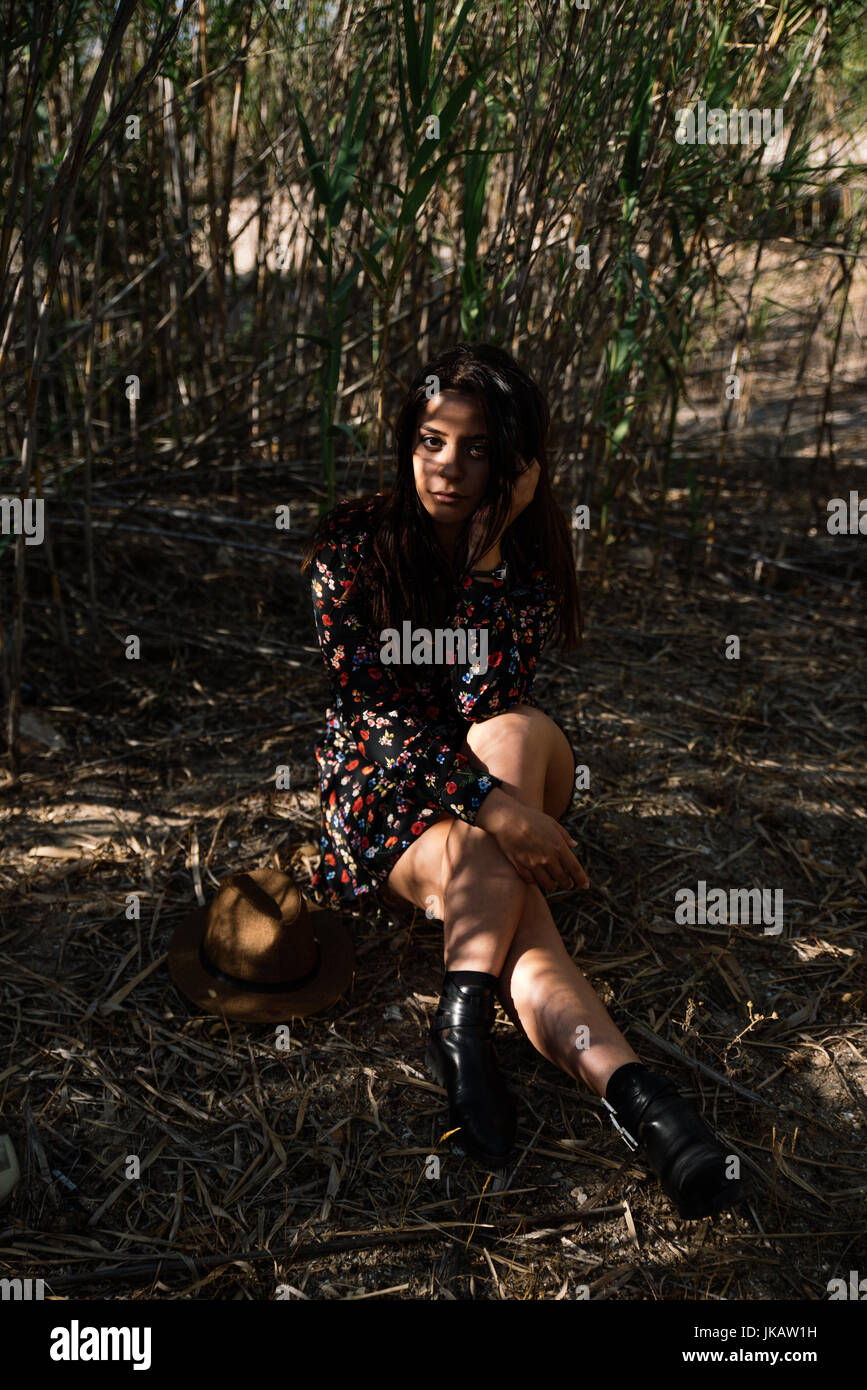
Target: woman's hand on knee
(536, 845)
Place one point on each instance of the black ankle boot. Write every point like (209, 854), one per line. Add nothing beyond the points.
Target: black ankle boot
(461, 1056)
(691, 1164)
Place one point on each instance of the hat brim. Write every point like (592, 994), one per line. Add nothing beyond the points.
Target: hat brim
(252, 1006)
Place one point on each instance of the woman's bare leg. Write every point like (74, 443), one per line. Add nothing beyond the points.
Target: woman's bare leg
(484, 896)
(495, 923)
(457, 873)
(545, 994)
(478, 895)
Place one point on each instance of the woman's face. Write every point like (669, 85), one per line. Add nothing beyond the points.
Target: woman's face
(450, 460)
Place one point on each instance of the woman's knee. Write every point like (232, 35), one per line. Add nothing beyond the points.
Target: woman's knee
(417, 876)
(527, 748)
(456, 853)
(518, 717)
(521, 723)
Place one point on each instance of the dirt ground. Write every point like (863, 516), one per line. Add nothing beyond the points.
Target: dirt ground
(749, 772)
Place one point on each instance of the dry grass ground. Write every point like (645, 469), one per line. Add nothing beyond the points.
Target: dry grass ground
(307, 1165)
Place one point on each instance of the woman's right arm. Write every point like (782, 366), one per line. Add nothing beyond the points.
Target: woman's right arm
(537, 846)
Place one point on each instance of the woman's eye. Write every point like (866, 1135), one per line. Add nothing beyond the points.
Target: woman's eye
(430, 442)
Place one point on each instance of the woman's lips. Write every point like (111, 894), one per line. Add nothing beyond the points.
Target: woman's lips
(448, 496)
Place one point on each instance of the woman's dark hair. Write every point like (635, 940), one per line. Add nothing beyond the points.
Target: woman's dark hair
(409, 576)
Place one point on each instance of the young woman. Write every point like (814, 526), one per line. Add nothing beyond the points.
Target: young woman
(443, 783)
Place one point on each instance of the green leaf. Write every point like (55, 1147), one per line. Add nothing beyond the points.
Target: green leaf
(620, 350)
(350, 145)
(427, 40)
(332, 372)
(422, 187)
(630, 178)
(56, 50)
(641, 270)
(316, 338)
(455, 35)
(620, 431)
(315, 166)
(371, 265)
(447, 117)
(347, 430)
(340, 291)
(413, 54)
(319, 249)
(676, 239)
(408, 132)
(387, 231)
(475, 184)
(363, 255)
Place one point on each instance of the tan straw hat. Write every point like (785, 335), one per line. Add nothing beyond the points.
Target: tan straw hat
(258, 953)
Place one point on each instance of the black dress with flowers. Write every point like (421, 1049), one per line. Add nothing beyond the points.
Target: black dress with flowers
(390, 762)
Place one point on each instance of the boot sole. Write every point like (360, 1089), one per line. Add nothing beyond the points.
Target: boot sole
(722, 1202)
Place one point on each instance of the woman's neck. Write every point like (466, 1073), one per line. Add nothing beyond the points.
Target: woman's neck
(447, 541)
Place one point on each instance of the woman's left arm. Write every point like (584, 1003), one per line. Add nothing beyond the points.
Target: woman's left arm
(511, 630)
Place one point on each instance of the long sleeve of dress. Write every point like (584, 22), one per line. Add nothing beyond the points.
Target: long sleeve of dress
(370, 697)
(517, 626)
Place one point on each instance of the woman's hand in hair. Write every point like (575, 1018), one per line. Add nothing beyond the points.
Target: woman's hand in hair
(536, 845)
(522, 496)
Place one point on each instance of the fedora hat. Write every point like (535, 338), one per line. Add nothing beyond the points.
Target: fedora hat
(258, 953)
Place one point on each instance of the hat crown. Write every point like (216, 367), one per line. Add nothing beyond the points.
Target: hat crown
(259, 930)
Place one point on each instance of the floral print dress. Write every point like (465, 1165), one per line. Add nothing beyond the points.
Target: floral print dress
(390, 762)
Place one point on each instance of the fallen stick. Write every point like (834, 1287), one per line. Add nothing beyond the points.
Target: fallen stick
(674, 1051)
